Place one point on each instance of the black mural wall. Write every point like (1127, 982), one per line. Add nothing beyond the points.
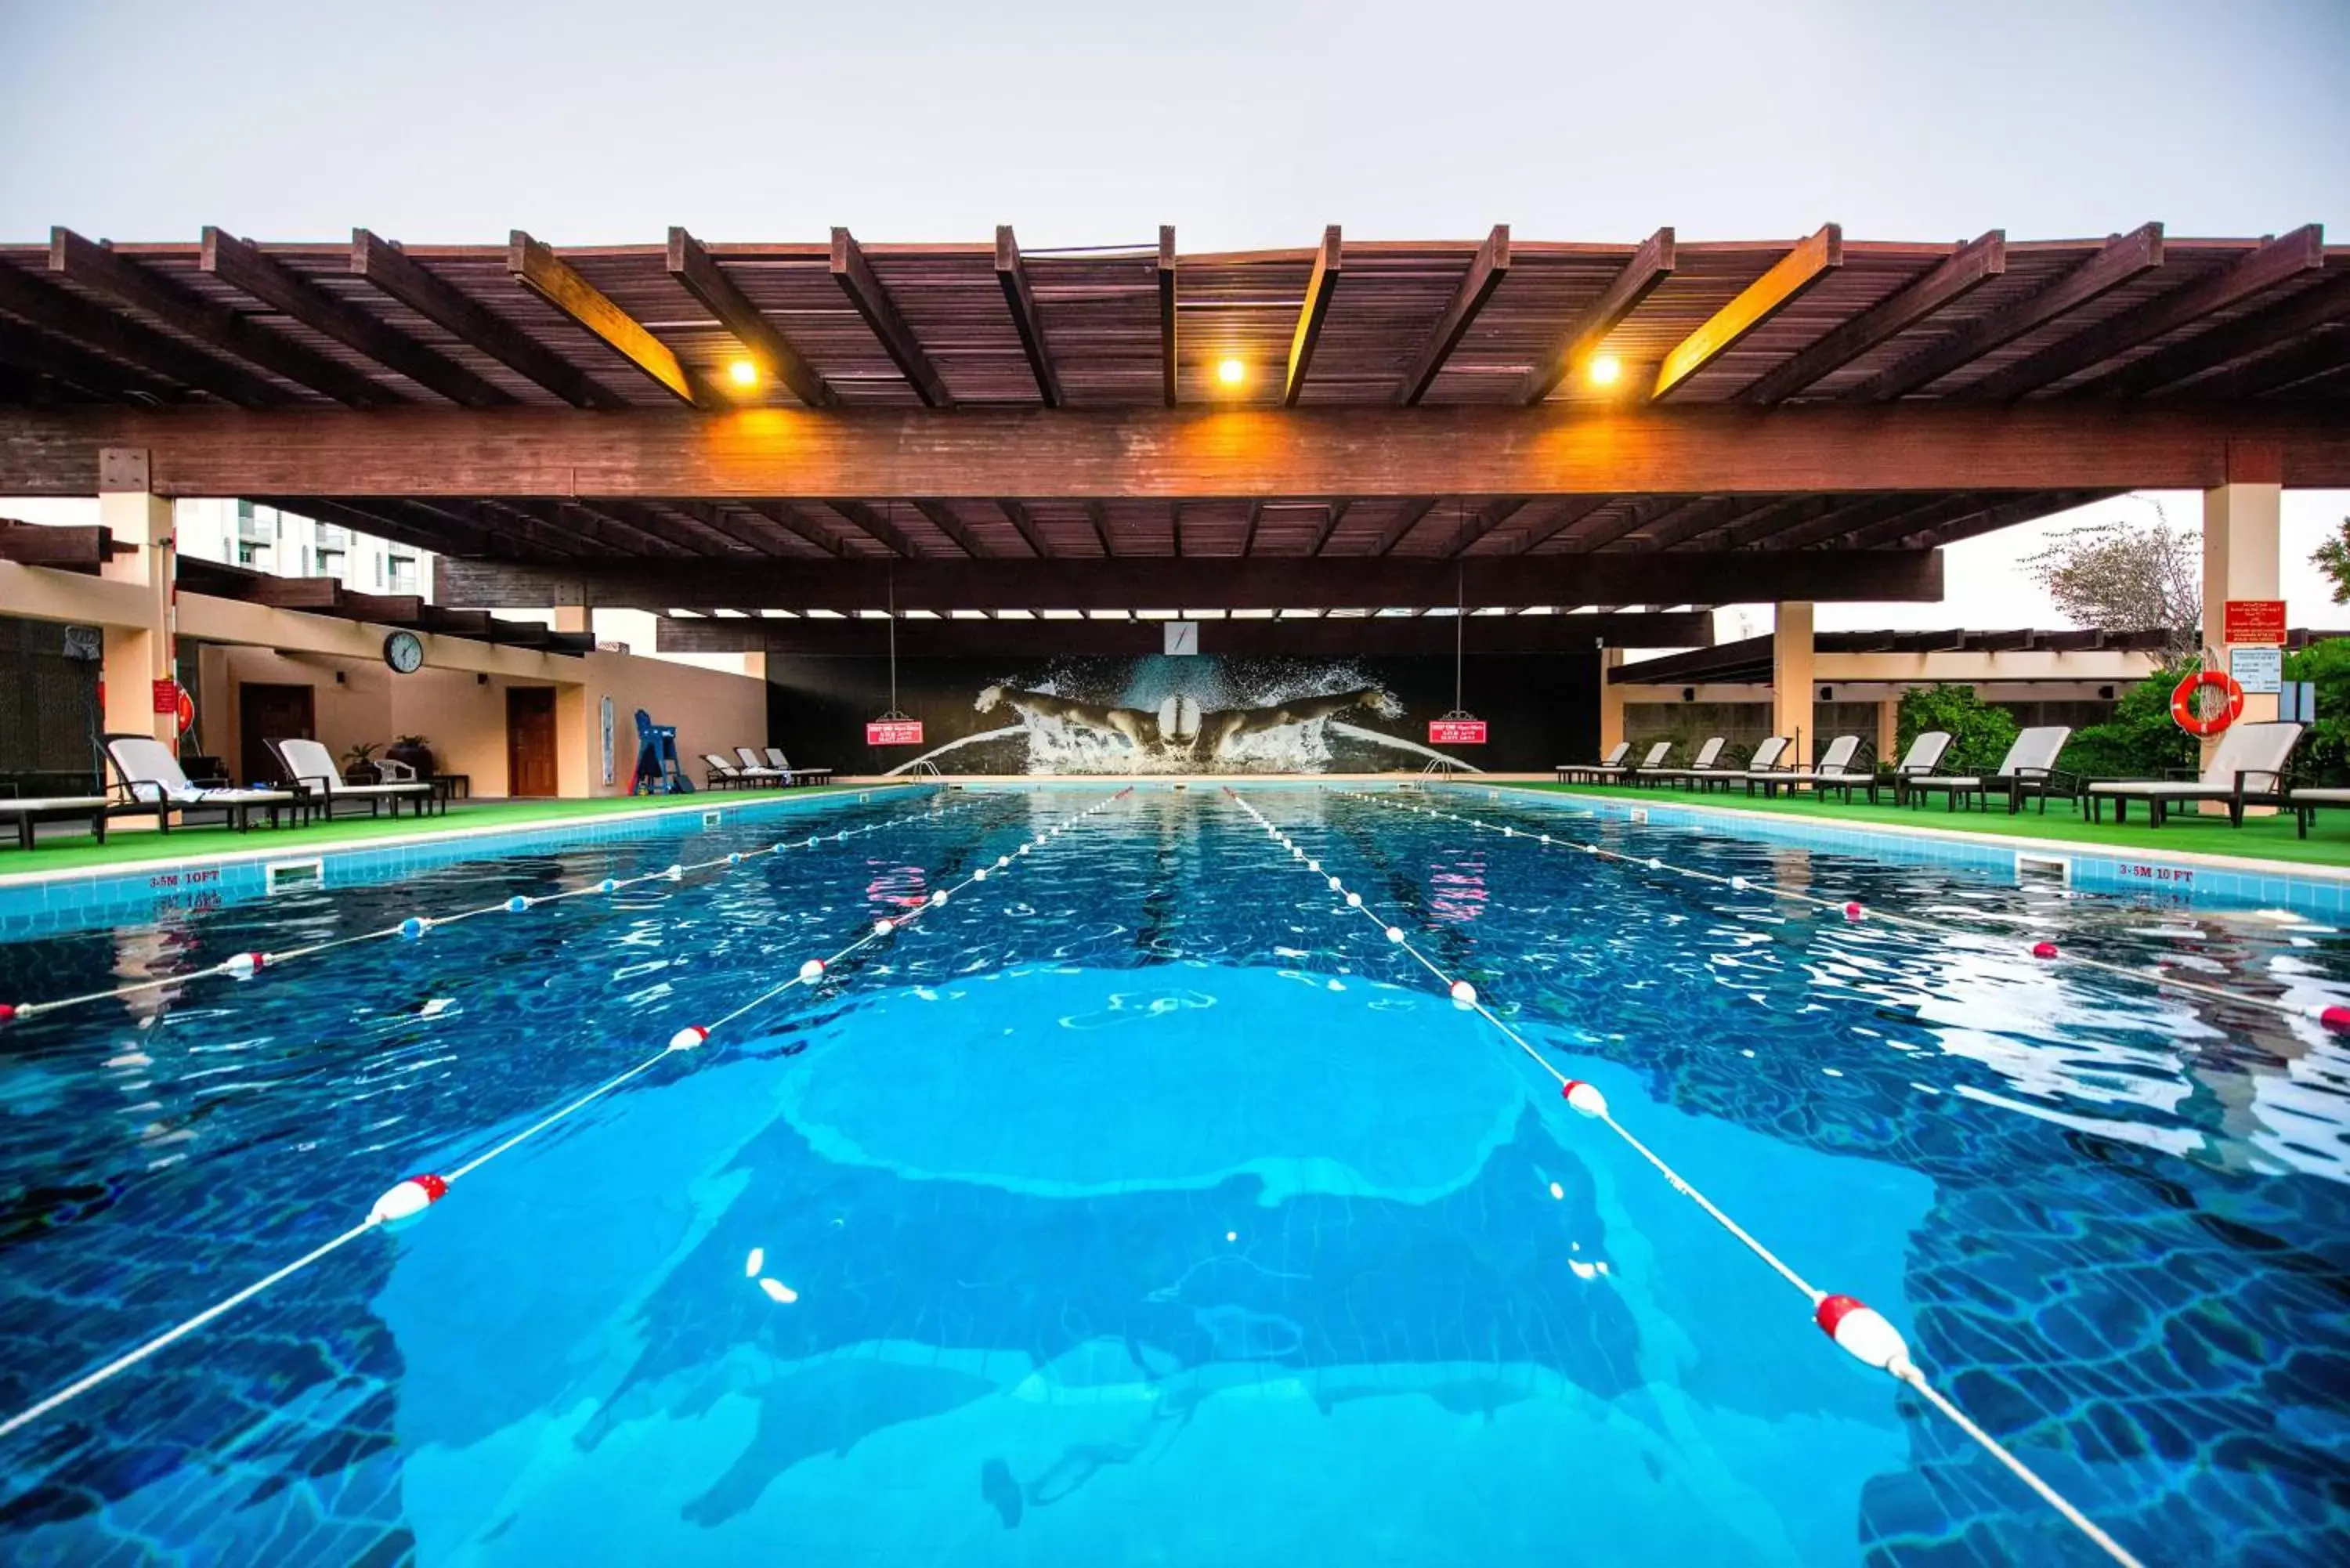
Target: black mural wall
(1204, 713)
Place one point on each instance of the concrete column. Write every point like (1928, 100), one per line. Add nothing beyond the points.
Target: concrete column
(138, 656)
(2241, 561)
(1611, 701)
(1889, 728)
(1791, 679)
(572, 617)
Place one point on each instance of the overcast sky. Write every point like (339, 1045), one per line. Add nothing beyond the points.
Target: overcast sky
(1244, 124)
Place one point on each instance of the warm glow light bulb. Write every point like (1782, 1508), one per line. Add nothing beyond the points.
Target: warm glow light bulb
(744, 372)
(1232, 372)
(1605, 369)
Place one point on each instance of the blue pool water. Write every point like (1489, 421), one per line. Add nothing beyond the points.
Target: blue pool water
(1144, 1205)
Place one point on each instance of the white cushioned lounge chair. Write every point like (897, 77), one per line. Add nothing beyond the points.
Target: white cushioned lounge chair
(1836, 771)
(311, 767)
(1701, 767)
(152, 783)
(2029, 768)
(1608, 767)
(2247, 769)
(27, 811)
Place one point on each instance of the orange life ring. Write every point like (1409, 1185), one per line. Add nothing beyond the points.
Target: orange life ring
(186, 711)
(2183, 702)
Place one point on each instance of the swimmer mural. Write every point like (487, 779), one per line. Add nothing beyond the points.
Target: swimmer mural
(1190, 715)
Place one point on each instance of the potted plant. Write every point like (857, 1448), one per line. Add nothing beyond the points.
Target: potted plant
(358, 764)
(413, 749)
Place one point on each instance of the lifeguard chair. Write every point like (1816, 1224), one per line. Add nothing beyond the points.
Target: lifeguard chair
(656, 769)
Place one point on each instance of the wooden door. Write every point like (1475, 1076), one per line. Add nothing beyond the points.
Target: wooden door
(266, 713)
(530, 740)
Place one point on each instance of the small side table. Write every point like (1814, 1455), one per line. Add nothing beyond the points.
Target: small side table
(447, 787)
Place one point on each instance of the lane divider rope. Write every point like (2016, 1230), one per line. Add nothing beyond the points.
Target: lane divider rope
(245, 964)
(1856, 1327)
(2335, 1017)
(414, 1194)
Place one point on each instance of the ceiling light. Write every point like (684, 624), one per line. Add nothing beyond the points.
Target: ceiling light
(1230, 372)
(744, 372)
(1604, 370)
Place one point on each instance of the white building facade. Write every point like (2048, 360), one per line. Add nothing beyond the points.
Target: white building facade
(287, 545)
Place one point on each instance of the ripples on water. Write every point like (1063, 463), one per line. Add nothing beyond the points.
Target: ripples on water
(2130, 1249)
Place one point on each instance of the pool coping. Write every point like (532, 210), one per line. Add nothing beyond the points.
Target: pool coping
(2181, 874)
(209, 876)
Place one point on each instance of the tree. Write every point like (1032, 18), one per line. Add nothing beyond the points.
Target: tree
(2332, 559)
(2124, 577)
(1979, 731)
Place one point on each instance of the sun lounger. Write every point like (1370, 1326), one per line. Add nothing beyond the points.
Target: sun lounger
(723, 774)
(2305, 803)
(776, 758)
(2247, 769)
(755, 771)
(1608, 767)
(1700, 769)
(24, 812)
(1925, 754)
(1765, 763)
(310, 768)
(152, 783)
(2029, 768)
(1656, 756)
(1835, 772)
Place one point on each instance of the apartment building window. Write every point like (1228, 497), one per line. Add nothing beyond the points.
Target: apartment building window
(330, 563)
(404, 573)
(250, 553)
(334, 536)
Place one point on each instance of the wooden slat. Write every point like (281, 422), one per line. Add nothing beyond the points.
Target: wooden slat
(60, 359)
(1481, 522)
(855, 276)
(1960, 275)
(519, 526)
(1029, 534)
(764, 343)
(1026, 319)
(537, 268)
(1990, 519)
(786, 515)
(1843, 520)
(1789, 280)
(1651, 264)
(1256, 521)
(1099, 518)
(242, 266)
(1562, 517)
(68, 315)
(1330, 582)
(654, 516)
(1630, 520)
(1751, 517)
(611, 533)
(2304, 368)
(1685, 520)
(872, 522)
(2279, 261)
(2119, 261)
(942, 518)
(720, 520)
(1320, 285)
(383, 264)
(76, 549)
(1167, 344)
(1333, 512)
(443, 537)
(1485, 274)
(216, 327)
(1407, 517)
(2288, 321)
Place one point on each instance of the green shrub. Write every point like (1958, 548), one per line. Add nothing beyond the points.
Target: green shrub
(2139, 742)
(1979, 731)
(2325, 750)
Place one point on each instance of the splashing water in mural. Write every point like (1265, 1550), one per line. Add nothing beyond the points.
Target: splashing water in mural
(1190, 715)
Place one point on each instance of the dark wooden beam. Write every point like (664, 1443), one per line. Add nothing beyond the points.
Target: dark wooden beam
(457, 313)
(2122, 258)
(216, 327)
(792, 520)
(1320, 285)
(1563, 515)
(2307, 368)
(764, 343)
(493, 520)
(1333, 512)
(1030, 535)
(721, 520)
(1481, 522)
(1255, 520)
(1486, 271)
(1844, 520)
(539, 269)
(1751, 517)
(1026, 319)
(1263, 583)
(1649, 266)
(1167, 363)
(612, 533)
(2289, 321)
(660, 518)
(77, 549)
(1098, 515)
(1988, 520)
(1185, 455)
(870, 520)
(1609, 530)
(1791, 277)
(372, 516)
(64, 314)
(2279, 261)
(1965, 270)
(1685, 520)
(243, 267)
(855, 276)
(1770, 518)
(1327, 637)
(62, 360)
(942, 518)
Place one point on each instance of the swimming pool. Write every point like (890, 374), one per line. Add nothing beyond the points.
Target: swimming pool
(1144, 1203)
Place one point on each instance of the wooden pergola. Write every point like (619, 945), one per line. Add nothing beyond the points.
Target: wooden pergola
(834, 426)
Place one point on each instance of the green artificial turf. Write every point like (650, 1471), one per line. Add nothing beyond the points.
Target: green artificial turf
(133, 841)
(2184, 832)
